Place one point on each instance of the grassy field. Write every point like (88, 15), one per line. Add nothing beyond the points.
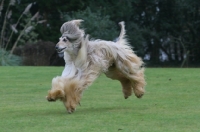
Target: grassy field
(171, 103)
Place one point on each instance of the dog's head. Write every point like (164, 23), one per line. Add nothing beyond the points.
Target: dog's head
(57, 91)
(71, 37)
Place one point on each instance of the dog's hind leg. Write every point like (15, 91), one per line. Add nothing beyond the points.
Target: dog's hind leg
(115, 74)
(126, 87)
(131, 69)
(130, 83)
(138, 83)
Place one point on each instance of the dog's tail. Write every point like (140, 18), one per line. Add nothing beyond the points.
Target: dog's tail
(121, 39)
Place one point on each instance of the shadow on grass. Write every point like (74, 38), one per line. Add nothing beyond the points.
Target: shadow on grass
(92, 110)
(106, 110)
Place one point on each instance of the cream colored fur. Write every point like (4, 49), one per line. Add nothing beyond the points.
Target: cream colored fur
(85, 60)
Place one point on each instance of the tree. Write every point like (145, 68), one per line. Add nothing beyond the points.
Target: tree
(15, 31)
(161, 31)
(169, 28)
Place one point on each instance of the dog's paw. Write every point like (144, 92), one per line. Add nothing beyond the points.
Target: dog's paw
(139, 95)
(50, 99)
(71, 110)
(125, 97)
(139, 92)
(127, 94)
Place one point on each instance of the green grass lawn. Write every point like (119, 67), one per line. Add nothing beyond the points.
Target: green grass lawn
(171, 103)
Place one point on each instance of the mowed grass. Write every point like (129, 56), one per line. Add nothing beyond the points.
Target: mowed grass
(171, 103)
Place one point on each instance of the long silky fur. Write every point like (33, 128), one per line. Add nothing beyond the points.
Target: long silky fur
(116, 59)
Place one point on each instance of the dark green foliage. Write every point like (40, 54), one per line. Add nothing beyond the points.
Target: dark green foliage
(7, 59)
(50, 11)
(154, 27)
(95, 24)
(17, 25)
(134, 35)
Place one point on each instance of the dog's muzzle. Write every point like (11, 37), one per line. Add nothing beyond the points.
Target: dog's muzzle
(59, 50)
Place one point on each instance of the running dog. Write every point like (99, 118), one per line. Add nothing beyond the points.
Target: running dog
(86, 59)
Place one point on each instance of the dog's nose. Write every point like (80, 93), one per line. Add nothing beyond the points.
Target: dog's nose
(56, 47)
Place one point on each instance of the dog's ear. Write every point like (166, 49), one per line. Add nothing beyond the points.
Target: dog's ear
(82, 53)
(77, 22)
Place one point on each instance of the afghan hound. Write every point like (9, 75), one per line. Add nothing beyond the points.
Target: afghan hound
(86, 59)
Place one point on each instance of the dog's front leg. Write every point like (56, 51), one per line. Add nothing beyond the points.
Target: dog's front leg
(70, 106)
(72, 100)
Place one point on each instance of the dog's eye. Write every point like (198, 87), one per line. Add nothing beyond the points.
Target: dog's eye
(65, 40)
